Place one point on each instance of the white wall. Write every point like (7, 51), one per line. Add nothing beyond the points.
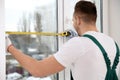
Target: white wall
(2, 42)
(111, 18)
(114, 13)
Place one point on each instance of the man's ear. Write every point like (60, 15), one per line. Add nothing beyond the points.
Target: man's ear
(78, 20)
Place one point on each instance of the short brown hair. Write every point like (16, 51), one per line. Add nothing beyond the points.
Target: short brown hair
(87, 11)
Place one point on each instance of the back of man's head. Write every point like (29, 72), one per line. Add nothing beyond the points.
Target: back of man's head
(86, 10)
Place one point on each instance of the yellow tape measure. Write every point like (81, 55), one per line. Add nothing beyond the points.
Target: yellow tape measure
(39, 33)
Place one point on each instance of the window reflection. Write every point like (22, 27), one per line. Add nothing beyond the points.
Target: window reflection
(30, 16)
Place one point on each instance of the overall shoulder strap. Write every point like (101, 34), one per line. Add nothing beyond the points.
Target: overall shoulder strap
(107, 60)
(116, 60)
(111, 72)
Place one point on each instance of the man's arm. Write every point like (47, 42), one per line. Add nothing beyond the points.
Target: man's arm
(41, 68)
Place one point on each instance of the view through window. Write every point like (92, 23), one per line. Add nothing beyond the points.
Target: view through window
(30, 16)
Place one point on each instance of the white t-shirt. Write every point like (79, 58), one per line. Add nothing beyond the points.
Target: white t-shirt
(85, 57)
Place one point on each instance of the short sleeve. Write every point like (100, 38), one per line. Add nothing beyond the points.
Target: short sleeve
(70, 52)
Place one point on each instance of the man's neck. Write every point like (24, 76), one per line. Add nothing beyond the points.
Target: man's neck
(87, 28)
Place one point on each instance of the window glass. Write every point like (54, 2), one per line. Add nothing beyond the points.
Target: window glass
(30, 16)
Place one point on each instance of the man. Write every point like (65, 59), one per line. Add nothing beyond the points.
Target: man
(80, 54)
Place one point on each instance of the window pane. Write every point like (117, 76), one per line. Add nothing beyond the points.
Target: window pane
(30, 16)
